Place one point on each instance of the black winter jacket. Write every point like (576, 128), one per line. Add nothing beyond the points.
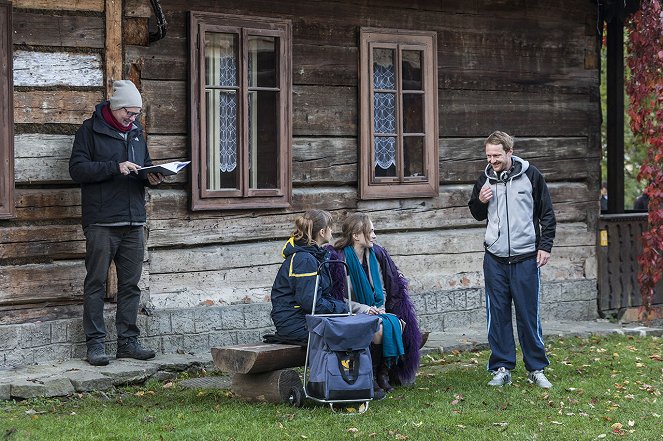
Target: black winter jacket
(292, 292)
(108, 196)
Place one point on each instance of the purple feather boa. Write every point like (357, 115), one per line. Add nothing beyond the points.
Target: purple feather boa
(397, 302)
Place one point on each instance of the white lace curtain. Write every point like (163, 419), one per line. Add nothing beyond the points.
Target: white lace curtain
(384, 108)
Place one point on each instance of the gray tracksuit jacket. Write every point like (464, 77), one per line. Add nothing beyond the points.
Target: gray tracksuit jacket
(520, 216)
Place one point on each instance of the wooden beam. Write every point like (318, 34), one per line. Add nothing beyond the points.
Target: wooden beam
(113, 43)
(71, 5)
(257, 358)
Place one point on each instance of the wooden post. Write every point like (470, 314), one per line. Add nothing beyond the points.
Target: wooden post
(113, 43)
(615, 117)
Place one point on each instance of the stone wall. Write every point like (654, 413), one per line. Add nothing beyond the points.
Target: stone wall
(195, 330)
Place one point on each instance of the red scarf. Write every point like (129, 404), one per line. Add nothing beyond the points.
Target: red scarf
(110, 119)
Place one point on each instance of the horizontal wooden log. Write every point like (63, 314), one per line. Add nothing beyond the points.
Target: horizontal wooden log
(58, 30)
(165, 105)
(53, 204)
(73, 5)
(515, 112)
(170, 217)
(324, 160)
(324, 111)
(464, 159)
(42, 157)
(257, 358)
(168, 147)
(269, 387)
(42, 242)
(34, 283)
(54, 106)
(165, 59)
(57, 69)
(39, 312)
(324, 65)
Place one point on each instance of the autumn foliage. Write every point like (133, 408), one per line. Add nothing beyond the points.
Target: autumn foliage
(645, 91)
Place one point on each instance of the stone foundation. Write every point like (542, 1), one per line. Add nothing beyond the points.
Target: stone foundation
(195, 330)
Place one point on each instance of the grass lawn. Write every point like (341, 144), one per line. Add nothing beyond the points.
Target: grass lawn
(604, 388)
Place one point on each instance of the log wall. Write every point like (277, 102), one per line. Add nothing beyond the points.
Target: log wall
(529, 69)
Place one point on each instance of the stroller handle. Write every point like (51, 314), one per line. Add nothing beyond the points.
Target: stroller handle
(317, 282)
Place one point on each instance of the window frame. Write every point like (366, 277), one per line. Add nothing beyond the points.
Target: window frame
(7, 208)
(244, 197)
(371, 187)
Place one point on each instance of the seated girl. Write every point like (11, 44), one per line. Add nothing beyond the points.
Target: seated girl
(378, 287)
(292, 291)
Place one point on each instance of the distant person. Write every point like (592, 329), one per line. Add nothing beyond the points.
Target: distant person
(604, 196)
(109, 149)
(513, 196)
(378, 287)
(641, 202)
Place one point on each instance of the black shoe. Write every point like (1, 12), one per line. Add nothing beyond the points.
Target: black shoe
(378, 393)
(130, 348)
(96, 356)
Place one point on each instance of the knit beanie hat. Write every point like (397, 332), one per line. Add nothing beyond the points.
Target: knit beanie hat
(125, 94)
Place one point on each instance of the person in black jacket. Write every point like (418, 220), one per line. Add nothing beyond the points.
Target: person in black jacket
(109, 149)
(294, 285)
(513, 197)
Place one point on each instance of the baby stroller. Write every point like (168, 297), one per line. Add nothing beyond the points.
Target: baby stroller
(338, 366)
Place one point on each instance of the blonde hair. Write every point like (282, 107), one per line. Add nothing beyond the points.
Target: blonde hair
(310, 223)
(502, 138)
(353, 224)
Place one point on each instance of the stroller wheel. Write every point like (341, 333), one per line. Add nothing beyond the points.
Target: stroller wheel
(296, 397)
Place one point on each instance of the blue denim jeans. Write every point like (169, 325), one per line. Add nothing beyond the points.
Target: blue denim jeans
(124, 246)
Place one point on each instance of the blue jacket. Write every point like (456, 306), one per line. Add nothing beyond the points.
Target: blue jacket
(292, 292)
(108, 196)
(520, 214)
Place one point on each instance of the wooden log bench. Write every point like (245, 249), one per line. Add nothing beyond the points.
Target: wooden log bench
(262, 371)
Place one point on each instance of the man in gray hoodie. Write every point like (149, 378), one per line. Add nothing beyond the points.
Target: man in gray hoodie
(513, 197)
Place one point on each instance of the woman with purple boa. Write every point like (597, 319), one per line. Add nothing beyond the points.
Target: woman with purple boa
(378, 269)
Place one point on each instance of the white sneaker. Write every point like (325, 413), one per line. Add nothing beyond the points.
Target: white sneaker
(501, 377)
(539, 378)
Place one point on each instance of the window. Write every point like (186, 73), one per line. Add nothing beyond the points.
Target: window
(399, 143)
(6, 113)
(240, 118)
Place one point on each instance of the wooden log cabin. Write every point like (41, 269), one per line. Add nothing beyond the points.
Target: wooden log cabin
(378, 106)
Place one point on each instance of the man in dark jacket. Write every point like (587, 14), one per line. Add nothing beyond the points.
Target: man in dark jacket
(109, 149)
(513, 196)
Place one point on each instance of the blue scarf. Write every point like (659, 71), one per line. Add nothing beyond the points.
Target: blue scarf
(392, 338)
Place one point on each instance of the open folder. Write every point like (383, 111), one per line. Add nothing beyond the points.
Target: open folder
(167, 169)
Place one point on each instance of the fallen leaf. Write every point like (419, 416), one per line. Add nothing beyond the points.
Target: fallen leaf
(168, 385)
(140, 393)
(353, 430)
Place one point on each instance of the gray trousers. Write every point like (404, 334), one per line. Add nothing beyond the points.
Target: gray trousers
(124, 246)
